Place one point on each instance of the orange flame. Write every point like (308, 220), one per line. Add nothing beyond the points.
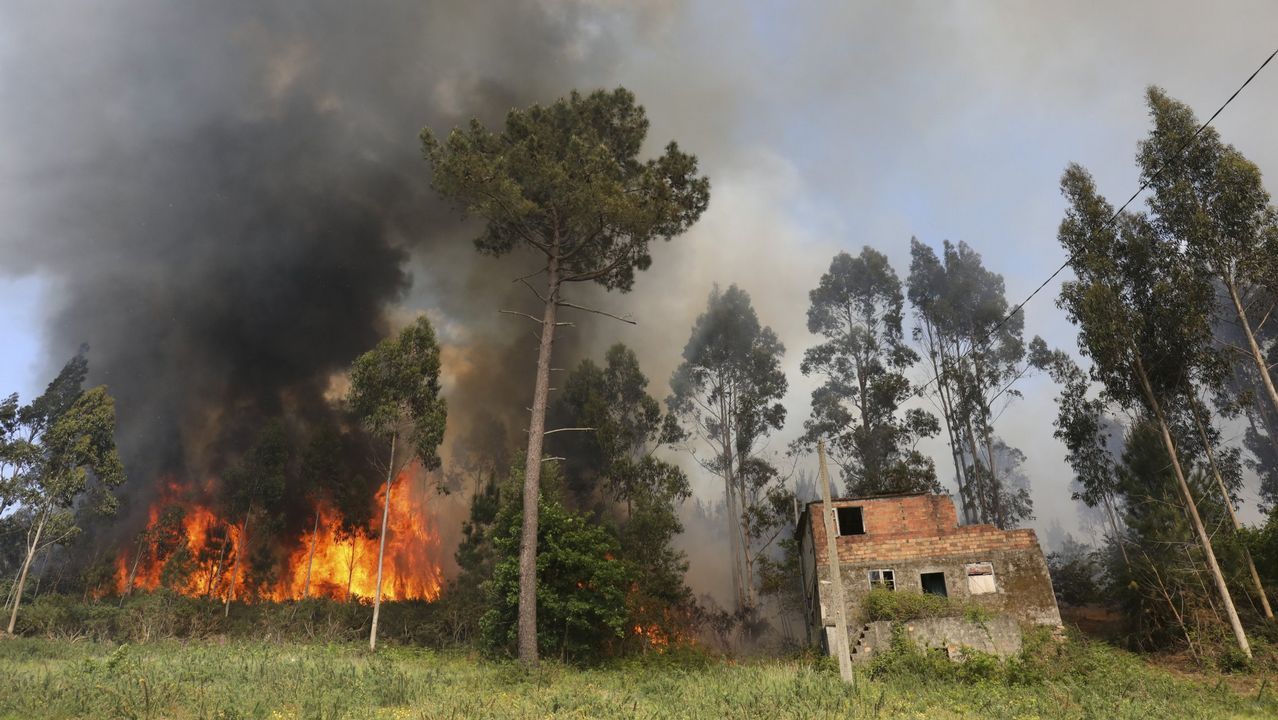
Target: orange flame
(189, 549)
(661, 629)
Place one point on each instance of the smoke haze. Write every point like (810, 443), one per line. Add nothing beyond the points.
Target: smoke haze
(225, 200)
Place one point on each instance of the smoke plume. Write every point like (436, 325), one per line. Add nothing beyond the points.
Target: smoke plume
(226, 202)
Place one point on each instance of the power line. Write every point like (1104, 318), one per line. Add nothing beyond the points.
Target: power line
(1112, 218)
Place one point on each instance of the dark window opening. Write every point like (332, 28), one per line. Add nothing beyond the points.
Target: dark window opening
(933, 583)
(850, 522)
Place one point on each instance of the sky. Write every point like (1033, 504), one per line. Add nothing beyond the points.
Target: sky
(823, 127)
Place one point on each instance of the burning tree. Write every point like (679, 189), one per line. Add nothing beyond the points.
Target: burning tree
(395, 391)
(565, 182)
(256, 483)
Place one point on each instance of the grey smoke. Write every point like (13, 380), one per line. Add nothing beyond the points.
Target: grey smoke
(226, 200)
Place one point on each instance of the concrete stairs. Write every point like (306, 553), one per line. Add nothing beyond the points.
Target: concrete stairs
(868, 638)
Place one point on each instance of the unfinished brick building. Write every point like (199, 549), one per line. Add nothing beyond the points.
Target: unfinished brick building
(914, 542)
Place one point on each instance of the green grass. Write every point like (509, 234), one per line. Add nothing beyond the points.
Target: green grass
(232, 680)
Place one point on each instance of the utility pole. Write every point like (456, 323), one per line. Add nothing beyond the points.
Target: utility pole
(836, 578)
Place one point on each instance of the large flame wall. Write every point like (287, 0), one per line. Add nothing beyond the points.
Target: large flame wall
(188, 548)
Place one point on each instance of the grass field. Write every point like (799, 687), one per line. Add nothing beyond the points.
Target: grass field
(232, 680)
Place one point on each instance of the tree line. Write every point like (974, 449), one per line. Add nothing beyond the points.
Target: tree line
(569, 547)
(1172, 304)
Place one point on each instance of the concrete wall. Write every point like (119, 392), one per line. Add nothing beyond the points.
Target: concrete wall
(917, 534)
(1023, 589)
(999, 635)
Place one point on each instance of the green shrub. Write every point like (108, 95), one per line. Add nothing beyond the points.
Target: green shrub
(902, 605)
(581, 586)
(904, 658)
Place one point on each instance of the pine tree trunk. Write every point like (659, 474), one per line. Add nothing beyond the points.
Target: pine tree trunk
(26, 565)
(310, 560)
(532, 470)
(1256, 356)
(1229, 505)
(1192, 508)
(381, 550)
(240, 548)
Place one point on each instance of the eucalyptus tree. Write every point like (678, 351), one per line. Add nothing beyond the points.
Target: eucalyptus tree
(728, 391)
(1225, 466)
(564, 184)
(975, 351)
(58, 456)
(621, 428)
(1208, 202)
(395, 392)
(615, 462)
(1083, 427)
(1143, 319)
(1210, 199)
(858, 307)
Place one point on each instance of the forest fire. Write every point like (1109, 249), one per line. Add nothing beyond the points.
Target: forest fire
(186, 547)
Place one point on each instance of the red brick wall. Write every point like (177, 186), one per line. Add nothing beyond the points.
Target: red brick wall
(912, 526)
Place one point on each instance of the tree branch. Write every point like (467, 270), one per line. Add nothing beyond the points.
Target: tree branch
(540, 297)
(530, 275)
(522, 314)
(600, 272)
(627, 319)
(569, 429)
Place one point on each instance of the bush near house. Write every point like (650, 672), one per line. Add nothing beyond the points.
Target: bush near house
(902, 605)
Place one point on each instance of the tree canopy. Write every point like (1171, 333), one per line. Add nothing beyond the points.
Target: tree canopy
(565, 182)
(858, 308)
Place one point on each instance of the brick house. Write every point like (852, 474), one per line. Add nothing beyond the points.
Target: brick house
(914, 542)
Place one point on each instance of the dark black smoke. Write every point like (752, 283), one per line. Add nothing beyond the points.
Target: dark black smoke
(227, 202)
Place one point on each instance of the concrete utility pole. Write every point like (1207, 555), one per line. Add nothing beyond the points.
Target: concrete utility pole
(836, 578)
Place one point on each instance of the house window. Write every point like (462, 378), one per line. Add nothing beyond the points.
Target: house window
(850, 521)
(933, 583)
(980, 578)
(883, 579)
